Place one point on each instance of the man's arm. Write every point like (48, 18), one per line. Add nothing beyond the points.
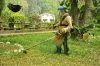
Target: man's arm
(69, 27)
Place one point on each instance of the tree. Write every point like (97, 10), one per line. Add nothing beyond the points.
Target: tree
(23, 3)
(1, 5)
(85, 13)
(43, 6)
(74, 10)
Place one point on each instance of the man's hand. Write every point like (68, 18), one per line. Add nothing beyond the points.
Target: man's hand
(64, 30)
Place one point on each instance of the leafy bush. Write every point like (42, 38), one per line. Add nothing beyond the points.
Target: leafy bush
(18, 17)
(98, 18)
(5, 15)
(79, 31)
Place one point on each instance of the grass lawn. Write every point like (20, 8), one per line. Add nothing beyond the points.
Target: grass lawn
(82, 53)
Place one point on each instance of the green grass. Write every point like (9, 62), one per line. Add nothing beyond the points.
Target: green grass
(82, 53)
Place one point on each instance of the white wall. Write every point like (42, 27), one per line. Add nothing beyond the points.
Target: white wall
(47, 17)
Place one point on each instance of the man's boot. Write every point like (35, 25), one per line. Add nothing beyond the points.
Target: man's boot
(58, 50)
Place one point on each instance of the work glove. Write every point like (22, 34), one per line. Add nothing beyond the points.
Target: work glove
(64, 30)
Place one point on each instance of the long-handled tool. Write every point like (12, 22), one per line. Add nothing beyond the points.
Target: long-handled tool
(25, 51)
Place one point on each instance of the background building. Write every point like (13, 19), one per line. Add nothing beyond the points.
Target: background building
(46, 17)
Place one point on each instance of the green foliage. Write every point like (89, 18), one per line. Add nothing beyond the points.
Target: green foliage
(67, 4)
(34, 17)
(23, 3)
(85, 28)
(5, 15)
(35, 6)
(47, 25)
(96, 10)
(43, 6)
(79, 31)
(97, 25)
(1, 6)
(82, 8)
(18, 17)
(98, 18)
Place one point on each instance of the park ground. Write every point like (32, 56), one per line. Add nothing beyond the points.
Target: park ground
(82, 53)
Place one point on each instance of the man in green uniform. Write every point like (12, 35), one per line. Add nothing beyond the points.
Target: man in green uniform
(64, 26)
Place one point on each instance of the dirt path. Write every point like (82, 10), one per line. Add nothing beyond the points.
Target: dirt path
(23, 33)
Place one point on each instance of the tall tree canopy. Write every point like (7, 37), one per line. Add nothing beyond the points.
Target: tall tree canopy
(79, 9)
(42, 6)
(23, 3)
(35, 6)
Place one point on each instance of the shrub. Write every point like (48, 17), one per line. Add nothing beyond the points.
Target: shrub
(18, 17)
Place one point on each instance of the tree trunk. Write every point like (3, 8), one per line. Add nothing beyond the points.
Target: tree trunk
(84, 17)
(1, 6)
(74, 14)
(74, 11)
